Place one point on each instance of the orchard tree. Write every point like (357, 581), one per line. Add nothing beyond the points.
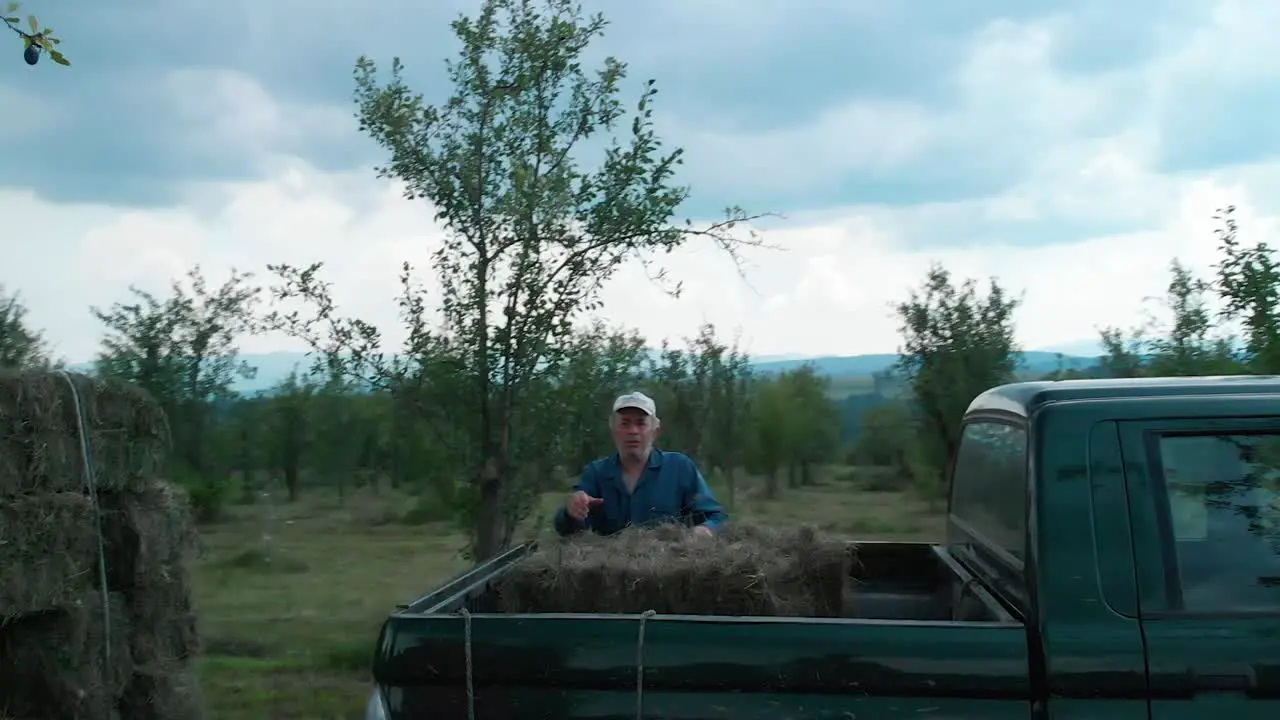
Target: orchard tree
(183, 349)
(814, 423)
(1185, 344)
(793, 426)
(289, 426)
(599, 364)
(21, 346)
(955, 345)
(727, 427)
(534, 226)
(1249, 284)
(35, 40)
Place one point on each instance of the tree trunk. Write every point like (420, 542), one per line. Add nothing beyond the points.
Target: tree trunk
(731, 484)
(291, 478)
(771, 487)
(489, 520)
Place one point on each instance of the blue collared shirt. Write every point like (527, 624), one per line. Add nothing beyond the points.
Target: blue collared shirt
(671, 489)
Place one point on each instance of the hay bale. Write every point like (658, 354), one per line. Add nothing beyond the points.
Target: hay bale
(163, 691)
(48, 552)
(40, 447)
(150, 535)
(151, 540)
(743, 571)
(52, 663)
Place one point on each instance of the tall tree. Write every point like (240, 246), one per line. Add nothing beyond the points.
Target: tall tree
(182, 349)
(1249, 283)
(1184, 343)
(531, 234)
(955, 344)
(601, 363)
(21, 346)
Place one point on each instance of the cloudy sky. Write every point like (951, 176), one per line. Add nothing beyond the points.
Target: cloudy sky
(1070, 149)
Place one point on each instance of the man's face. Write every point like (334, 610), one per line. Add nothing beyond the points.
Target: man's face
(633, 433)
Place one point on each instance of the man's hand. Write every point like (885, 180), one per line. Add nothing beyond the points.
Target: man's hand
(702, 531)
(579, 504)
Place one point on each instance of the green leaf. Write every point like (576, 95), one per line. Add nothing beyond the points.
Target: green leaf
(13, 20)
(59, 58)
(11, 7)
(35, 24)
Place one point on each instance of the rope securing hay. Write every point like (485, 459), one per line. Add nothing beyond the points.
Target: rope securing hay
(95, 611)
(644, 618)
(742, 571)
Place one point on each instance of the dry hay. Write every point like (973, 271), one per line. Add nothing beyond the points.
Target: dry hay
(48, 552)
(160, 691)
(742, 571)
(151, 540)
(51, 630)
(52, 663)
(40, 436)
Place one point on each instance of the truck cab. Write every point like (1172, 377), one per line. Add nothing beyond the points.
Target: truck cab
(1133, 525)
(1111, 553)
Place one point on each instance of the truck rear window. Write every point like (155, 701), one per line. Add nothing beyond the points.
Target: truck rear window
(1222, 504)
(989, 484)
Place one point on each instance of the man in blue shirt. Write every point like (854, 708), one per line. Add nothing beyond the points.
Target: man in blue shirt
(639, 483)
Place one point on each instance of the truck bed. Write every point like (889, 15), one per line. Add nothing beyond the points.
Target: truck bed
(918, 627)
(889, 581)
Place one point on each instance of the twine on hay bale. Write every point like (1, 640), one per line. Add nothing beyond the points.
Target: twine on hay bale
(742, 571)
(72, 532)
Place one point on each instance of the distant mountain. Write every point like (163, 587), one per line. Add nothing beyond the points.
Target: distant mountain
(1082, 348)
(1035, 361)
(275, 367)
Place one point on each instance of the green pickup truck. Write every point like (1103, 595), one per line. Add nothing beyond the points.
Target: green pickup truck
(1111, 553)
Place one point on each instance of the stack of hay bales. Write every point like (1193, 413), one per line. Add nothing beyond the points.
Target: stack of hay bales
(742, 571)
(66, 550)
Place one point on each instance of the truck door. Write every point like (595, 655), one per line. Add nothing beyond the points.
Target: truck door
(1204, 499)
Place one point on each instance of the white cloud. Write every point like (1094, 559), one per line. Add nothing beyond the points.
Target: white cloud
(1090, 143)
(828, 291)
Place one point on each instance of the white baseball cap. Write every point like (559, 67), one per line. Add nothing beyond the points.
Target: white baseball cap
(637, 400)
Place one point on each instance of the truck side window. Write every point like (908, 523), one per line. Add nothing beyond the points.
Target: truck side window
(1223, 511)
(989, 485)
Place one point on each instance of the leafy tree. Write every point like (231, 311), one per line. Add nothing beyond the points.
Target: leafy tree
(814, 422)
(769, 433)
(1184, 346)
(531, 234)
(34, 39)
(182, 349)
(599, 364)
(21, 346)
(290, 426)
(955, 345)
(336, 425)
(727, 427)
(1249, 283)
(794, 425)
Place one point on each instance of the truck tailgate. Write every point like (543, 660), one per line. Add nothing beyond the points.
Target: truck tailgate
(628, 666)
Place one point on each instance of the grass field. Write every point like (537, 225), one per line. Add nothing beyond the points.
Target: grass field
(291, 596)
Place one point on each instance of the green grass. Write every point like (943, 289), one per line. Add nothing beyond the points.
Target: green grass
(290, 621)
